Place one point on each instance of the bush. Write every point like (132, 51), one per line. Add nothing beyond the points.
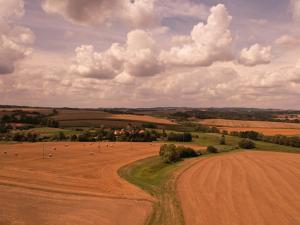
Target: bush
(185, 152)
(222, 140)
(212, 149)
(171, 153)
(202, 152)
(180, 137)
(247, 144)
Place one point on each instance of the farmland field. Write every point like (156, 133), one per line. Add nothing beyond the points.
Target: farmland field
(265, 127)
(78, 184)
(242, 188)
(77, 118)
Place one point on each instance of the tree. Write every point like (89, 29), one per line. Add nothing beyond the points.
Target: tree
(212, 149)
(247, 144)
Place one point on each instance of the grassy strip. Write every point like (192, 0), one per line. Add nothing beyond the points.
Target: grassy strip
(158, 179)
(206, 139)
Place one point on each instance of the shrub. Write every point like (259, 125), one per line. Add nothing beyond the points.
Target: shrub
(246, 144)
(185, 152)
(202, 152)
(180, 137)
(212, 149)
(169, 153)
(222, 140)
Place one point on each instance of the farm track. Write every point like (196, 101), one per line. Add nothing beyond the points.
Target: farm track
(258, 188)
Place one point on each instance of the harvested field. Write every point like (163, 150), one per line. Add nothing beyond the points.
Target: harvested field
(76, 183)
(248, 188)
(142, 118)
(89, 117)
(265, 127)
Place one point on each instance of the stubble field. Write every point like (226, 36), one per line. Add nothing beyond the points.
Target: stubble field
(246, 188)
(265, 127)
(78, 184)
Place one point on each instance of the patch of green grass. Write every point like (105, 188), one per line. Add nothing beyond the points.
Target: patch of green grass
(149, 174)
(49, 131)
(155, 177)
(206, 139)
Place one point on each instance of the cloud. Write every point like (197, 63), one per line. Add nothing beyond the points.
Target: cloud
(256, 55)
(11, 8)
(138, 57)
(15, 41)
(181, 39)
(288, 41)
(137, 13)
(295, 6)
(211, 42)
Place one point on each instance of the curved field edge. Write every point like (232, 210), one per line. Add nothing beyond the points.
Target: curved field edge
(158, 179)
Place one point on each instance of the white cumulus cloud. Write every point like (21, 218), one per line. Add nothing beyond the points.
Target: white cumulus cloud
(138, 57)
(15, 40)
(256, 55)
(211, 42)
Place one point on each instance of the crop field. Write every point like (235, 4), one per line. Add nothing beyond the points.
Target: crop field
(265, 127)
(242, 188)
(143, 118)
(76, 183)
(64, 183)
(88, 118)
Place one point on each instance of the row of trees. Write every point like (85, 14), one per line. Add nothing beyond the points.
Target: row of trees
(34, 118)
(180, 137)
(293, 141)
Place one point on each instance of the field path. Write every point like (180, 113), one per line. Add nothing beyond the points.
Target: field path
(243, 188)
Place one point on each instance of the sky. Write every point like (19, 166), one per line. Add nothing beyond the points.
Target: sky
(150, 53)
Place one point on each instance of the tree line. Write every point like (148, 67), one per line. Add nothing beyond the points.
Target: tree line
(293, 141)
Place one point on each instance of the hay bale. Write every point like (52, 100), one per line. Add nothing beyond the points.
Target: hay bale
(92, 153)
(50, 155)
(54, 148)
(5, 152)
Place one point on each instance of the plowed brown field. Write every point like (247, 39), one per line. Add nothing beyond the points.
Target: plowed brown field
(244, 188)
(79, 184)
(265, 127)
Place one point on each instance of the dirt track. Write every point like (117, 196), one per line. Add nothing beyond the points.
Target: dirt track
(246, 188)
(79, 184)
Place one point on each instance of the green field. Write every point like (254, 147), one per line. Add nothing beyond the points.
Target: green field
(49, 131)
